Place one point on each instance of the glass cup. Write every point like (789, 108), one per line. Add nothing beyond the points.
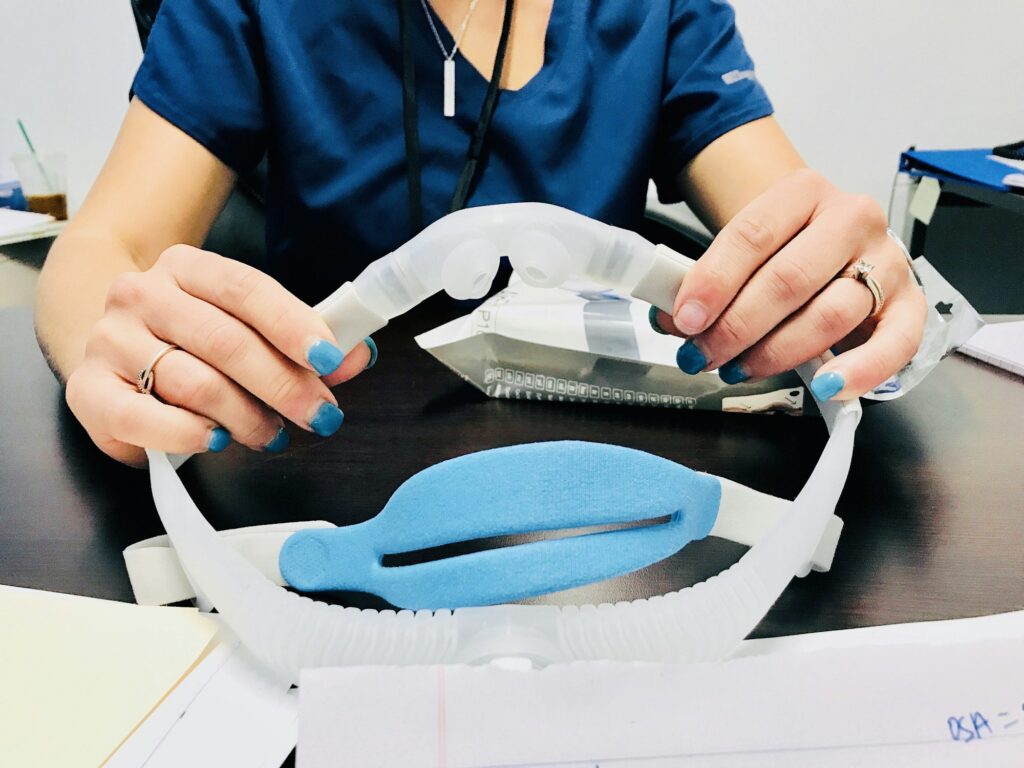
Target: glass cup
(44, 182)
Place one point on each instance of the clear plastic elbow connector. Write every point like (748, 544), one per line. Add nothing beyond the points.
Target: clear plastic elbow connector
(461, 252)
(460, 255)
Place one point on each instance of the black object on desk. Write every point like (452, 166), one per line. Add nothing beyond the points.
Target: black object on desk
(976, 240)
(975, 236)
(1014, 151)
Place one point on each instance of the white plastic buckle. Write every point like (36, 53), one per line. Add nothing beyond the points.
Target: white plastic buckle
(349, 319)
(661, 282)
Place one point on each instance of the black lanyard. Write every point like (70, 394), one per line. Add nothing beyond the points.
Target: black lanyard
(410, 117)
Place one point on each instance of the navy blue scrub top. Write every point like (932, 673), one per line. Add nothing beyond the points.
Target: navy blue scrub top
(629, 90)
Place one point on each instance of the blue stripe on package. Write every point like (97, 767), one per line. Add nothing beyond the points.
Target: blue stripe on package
(514, 490)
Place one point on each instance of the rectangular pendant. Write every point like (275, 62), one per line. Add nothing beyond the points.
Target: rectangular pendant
(449, 88)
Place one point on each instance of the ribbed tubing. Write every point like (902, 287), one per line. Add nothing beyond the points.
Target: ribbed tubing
(707, 621)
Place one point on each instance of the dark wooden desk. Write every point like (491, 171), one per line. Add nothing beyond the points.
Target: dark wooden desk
(934, 506)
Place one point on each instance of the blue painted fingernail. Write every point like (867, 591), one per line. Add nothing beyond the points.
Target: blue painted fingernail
(220, 439)
(327, 420)
(652, 318)
(279, 443)
(373, 352)
(827, 385)
(324, 357)
(690, 359)
(732, 373)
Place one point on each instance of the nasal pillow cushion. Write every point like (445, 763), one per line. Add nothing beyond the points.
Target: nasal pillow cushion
(519, 489)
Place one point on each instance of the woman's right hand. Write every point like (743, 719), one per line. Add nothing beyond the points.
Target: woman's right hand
(249, 352)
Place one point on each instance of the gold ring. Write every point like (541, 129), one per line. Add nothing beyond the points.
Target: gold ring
(860, 271)
(145, 378)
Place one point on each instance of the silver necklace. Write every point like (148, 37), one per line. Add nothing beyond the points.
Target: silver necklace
(449, 58)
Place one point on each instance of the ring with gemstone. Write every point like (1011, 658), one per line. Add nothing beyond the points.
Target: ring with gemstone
(860, 271)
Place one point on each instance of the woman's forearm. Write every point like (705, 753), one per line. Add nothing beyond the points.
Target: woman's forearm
(72, 291)
(736, 168)
(158, 188)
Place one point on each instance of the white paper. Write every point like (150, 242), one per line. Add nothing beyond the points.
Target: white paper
(241, 719)
(226, 713)
(953, 697)
(146, 739)
(999, 344)
(15, 222)
(990, 754)
(1009, 162)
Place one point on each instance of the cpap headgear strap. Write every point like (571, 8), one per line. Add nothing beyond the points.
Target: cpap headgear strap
(524, 489)
(554, 486)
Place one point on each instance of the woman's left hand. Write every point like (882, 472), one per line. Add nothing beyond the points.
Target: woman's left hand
(767, 295)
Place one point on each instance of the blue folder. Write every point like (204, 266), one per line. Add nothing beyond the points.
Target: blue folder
(971, 166)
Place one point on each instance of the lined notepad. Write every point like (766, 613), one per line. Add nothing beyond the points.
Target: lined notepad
(947, 694)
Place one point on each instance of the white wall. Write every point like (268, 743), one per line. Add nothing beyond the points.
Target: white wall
(855, 82)
(68, 65)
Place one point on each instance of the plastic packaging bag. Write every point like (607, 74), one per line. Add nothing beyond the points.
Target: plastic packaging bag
(583, 343)
(945, 331)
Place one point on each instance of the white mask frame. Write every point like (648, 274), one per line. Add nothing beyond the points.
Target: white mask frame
(460, 254)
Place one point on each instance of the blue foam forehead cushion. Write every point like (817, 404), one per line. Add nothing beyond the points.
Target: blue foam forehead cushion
(520, 489)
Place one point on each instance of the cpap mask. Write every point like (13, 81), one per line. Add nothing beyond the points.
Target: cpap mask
(456, 608)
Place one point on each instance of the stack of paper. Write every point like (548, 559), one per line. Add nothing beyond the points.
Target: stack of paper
(19, 222)
(78, 675)
(227, 712)
(999, 344)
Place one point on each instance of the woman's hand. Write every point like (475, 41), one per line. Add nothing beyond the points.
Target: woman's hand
(248, 350)
(766, 296)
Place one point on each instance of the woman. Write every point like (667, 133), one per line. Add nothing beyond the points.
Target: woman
(346, 100)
